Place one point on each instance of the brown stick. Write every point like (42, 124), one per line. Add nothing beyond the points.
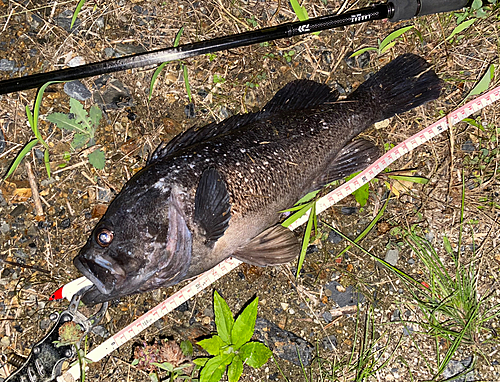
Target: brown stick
(34, 190)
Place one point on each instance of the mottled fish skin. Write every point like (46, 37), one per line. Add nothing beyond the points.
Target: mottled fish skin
(216, 191)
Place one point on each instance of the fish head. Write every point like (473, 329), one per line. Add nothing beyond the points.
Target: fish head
(140, 244)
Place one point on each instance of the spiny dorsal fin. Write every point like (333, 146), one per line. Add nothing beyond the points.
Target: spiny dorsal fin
(276, 245)
(300, 95)
(296, 95)
(212, 210)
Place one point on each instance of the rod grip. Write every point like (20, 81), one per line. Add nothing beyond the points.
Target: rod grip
(407, 9)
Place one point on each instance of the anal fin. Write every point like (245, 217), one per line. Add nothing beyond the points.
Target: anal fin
(276, 245)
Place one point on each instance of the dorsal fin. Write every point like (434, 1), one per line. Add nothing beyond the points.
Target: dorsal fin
(296, 95)
(300, 95)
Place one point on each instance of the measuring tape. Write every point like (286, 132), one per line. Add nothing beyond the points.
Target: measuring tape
(228, 265)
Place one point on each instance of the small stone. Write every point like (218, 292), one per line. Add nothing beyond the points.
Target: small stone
(411, 261)
(363, 60)
(18, 211)
(223, 113)
(7, 65)
(334, 237)
(184, 307)
(327, 316)
(109, 52)
(209, 312)
(392, 256)
(284, 305)
(189, 110)
(350, 61)
(66, 223)
(77, 90)
(348, 210)
(327, 57)
(343, 296)
(396, 316)
(5, 341)
(205, 320)
(76, 61)
(468, 147)
(329, 343)
(407, 331)
(4, 228)
(284, 344)
(291, 311)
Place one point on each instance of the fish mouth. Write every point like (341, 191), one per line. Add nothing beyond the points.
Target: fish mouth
(103, 272)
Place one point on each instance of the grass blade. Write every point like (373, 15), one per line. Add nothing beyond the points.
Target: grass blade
(307, 237)
(384, 45)
(26, 149)
(77, 11)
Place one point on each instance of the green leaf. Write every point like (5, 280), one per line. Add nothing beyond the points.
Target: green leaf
(81, 115)
(215, 368)
(135, 362)
(79, 140)
(447, 245)
(362, 50)
(26, 149)
(77, 11)
(154, 78)
(307, 237)
(178, 37)
(63, 121)
(212, 345)
(244, 325)
(235, 369)
(200, 361)
(164, 366)
(223, 318)
(301, 12)
(29, 115)
(303, 210)
(484, 82)
(95, 115)
(361, 194)
(387, 47)
(460, 28)
(392, 36)
(186, 82)
(414, 179)
(255, 354)
(97, 159)
(187, 348)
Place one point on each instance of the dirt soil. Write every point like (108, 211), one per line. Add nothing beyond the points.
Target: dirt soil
(36, 251)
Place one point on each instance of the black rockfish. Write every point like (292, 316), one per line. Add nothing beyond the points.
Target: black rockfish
(215, 191)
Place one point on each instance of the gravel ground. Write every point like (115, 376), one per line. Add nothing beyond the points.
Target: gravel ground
(343, 315)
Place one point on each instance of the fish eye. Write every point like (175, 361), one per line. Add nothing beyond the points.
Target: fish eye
(104, 237)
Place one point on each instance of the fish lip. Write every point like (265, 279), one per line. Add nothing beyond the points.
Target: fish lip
(90, 269)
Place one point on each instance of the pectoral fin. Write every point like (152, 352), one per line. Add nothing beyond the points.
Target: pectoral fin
(276, 245)
(212, 209)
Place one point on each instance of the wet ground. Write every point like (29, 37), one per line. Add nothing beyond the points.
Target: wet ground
(321, 306)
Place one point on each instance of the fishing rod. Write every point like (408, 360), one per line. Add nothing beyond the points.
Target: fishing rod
(394, 10)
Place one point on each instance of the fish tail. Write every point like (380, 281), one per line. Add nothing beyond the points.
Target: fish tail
(401, 85)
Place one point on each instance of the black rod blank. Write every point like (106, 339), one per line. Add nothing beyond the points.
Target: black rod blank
(155, 57)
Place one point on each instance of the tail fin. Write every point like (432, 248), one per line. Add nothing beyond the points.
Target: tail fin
(401, 85)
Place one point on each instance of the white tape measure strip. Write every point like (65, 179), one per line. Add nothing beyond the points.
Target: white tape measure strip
(322, 204)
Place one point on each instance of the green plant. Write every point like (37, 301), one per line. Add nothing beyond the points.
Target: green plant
(219, 79)
(84, 125)
(288, 55)
(183, 67)
(33, 122)
(252, 21)
(166, 356)
(77, 11)
(231, 346)
(386, 44)
(70, 333)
